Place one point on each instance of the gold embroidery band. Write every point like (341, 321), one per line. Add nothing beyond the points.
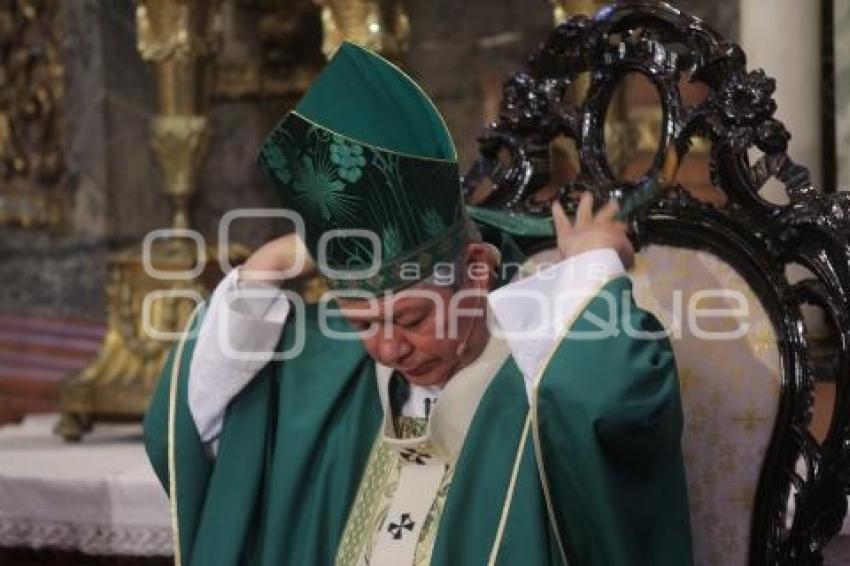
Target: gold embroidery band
(172, 418)
(371, 146)
(506, 507)
(365, 507)
(538, 451)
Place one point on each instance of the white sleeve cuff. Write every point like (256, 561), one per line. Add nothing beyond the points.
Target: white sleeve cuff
(237, 338)
(259, 300)
(532, 313)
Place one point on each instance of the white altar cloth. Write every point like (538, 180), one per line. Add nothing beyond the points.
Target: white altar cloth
(98, 497)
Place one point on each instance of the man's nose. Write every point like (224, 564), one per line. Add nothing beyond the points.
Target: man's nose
(393, 348)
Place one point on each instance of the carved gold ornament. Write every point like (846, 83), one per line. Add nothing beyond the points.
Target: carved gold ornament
(32, 164)
(381, 26)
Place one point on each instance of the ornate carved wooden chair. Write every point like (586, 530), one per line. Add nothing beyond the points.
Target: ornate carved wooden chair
(763, 490)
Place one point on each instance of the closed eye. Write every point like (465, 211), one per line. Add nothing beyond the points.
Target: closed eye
(412, 323)
(362, 325)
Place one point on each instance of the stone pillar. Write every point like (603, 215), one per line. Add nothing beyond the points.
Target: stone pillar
(842, 93)
(783, 37)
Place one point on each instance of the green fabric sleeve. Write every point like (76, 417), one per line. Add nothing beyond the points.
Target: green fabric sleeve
(288, 465)
(188, 490)
(608, 421)
(156, 420)
(156, 424)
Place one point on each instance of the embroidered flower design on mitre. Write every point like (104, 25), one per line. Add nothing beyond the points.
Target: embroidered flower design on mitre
(391, 242)
(348, 157)
(318, 187)
(277, 163)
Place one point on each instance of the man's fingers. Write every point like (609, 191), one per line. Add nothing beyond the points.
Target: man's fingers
(562, 223)
(627, 255)
(584, 214)
(607, 212)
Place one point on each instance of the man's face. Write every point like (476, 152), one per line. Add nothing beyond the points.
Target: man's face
(411, 331)
(419, 331)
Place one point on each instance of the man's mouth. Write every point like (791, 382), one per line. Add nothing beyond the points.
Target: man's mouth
(422, 369)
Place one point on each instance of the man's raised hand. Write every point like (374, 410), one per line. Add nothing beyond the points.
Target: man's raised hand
(284, 254)
(592, 232)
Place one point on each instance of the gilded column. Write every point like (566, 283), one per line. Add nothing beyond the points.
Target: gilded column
(178, 38)
(380, 25)
(153, 287)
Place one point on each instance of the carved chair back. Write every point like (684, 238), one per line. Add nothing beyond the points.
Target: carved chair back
(762, 489)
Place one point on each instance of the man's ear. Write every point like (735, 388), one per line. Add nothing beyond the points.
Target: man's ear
(482, 259)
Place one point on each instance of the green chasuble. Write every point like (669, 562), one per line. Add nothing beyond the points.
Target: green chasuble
(590, 473)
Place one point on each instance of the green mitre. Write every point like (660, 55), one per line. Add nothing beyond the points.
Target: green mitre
(365, 149)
